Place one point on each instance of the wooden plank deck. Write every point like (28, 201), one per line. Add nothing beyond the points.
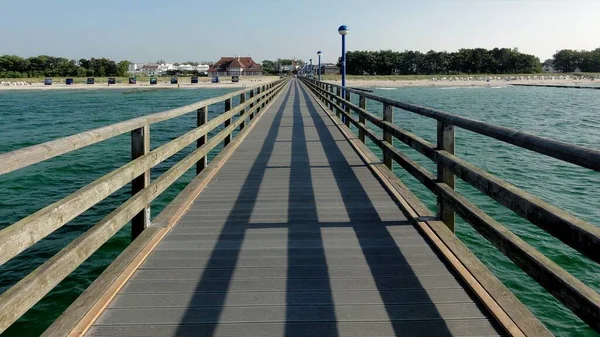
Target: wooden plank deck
(294, 237)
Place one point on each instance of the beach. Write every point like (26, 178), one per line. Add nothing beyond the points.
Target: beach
(163, 83)
(462, 82)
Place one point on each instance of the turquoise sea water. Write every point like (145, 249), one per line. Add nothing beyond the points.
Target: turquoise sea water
(28, 118)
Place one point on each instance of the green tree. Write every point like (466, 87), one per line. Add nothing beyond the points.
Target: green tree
(567, 60)
(122, 68)
(269, 66)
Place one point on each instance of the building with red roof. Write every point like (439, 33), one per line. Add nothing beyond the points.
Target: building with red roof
(236, 66)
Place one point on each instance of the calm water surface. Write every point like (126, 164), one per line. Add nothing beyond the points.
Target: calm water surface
(28, 118)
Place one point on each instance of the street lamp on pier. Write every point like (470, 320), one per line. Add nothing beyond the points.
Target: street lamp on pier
(319, 69)
(343, 30)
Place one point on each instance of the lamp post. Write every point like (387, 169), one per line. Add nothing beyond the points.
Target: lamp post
(319, 69)
(310, 72)
(343, 30)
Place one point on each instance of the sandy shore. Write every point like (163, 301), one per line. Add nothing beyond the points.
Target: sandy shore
(460, 83)
(162, 84)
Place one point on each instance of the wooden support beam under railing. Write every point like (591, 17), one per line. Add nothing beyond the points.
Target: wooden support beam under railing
(388, 116)
(361, 118)
(445, 142)
(140, 145)
(202, 119)
(251, 104)
(258, 91)
(338, 94)
(242, 112)
(347, 107)
(228, 104)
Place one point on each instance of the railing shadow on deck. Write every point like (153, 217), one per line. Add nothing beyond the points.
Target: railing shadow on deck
(226, 257)
(305, 297)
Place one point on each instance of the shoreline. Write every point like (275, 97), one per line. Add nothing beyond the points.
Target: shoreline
(39, 86)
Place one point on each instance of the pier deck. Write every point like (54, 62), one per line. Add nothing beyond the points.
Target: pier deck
(294, 236)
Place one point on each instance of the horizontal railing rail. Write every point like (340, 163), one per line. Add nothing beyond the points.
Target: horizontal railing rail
(578, 234)
(21, 235)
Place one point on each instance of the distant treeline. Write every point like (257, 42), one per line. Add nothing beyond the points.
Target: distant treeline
(12, 66)
(464, 61)
(272, 67)
(568, 60)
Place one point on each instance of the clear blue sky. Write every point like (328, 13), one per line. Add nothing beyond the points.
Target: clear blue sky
(197, 30)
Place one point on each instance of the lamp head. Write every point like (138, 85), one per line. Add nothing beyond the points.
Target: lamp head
(343, 30)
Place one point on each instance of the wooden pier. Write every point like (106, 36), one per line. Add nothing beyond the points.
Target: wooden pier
(297, 229)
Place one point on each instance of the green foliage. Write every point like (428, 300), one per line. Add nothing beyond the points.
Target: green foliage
(465, 61)
(183, 73)
(122, 67)
(272, 67)
(269, 66)
(567, 60)
(12, 66)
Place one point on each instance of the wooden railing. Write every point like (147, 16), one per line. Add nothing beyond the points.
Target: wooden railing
(578, 234)
(21, 235)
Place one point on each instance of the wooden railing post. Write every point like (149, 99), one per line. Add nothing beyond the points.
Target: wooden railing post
(140, 145)
(202, 118)
(388, 116)
(251, 104)
(227, 121)
(257, 101)
(330, 95)
(263, 101)
(321, 91)
(242, 101)
(338, 94)
(347, 119)
(445, 142)
(362, 103)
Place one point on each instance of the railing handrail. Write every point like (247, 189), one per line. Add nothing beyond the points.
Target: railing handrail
(571, 153)
(20, 158)
(580, 235)
(21, 235)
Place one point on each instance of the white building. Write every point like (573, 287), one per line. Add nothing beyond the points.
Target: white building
(185, 67)
(150, 69)
(202, 68)
(164, 67)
